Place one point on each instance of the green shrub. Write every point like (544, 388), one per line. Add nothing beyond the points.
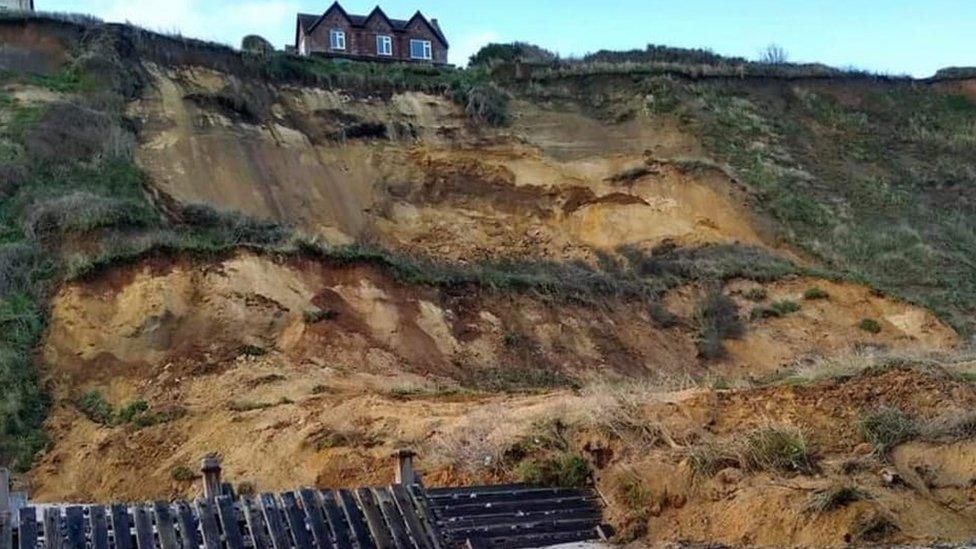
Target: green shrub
(182, 473)
(131, 411)
(834, 497)
(493, 54)
(566, 471)
(256, 45)
(756, 294)
(775, 310)
(887, 427)
(96, 408)
(718, 320)
(812, 294)
(870, 325)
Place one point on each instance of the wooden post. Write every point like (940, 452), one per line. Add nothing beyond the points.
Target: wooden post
(6, 515)
(210, 467)
(404, 473)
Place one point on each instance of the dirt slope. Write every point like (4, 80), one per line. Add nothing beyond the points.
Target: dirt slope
(424, 179)
(214, 340)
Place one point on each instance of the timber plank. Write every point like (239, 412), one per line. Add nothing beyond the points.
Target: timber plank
(165, 527)
(207, 516)
(255, 524)
(312, 506)
(405, 505)
(98, 525)
(374, 519)
(502, 497)
(393, 518)
(74, 518)
(540, 540)
(515, 506)
(296, 521)
(272, 517)
(144, 529)
(544, 527)
(354, 519)
(27, 532)
(121, 526)
(229, 523)
(52, 528)
(517, 518)
(437, 492)
(333, 513)
(419, 497)
(189, 527)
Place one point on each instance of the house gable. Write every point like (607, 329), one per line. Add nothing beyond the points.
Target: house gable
(365, 34)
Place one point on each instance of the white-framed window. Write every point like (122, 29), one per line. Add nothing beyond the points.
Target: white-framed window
(421, 49)
(384, 45)
(337, 39)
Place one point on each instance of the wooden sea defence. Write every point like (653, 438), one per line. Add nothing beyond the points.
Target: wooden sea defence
(404, 515)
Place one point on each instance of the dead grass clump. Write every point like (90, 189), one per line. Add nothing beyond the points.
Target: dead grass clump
(874, 528)
(950, 427)
(834, 497)
(709, 458)
(887, 427)
(773, 448)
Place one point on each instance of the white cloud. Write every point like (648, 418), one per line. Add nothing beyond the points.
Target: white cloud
(462, 51)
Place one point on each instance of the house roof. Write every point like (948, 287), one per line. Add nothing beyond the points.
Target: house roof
(308, 21)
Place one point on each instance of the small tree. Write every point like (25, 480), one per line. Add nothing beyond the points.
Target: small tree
(774, 54)
(255, 44)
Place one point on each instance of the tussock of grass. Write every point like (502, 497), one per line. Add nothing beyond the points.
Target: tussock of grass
(773, 448)
(887, 427)
(778, 448)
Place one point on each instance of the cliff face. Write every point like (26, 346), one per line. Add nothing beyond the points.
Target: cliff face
(645, 272)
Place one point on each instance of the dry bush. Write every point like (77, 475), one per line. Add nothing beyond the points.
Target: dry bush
(885, 428)
(476, 446)
(951, 426)
(718, 320)
(69, 132)
(79, 211)
(772, 448)
(618, 409)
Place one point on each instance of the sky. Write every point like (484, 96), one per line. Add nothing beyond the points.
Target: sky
(915, 37)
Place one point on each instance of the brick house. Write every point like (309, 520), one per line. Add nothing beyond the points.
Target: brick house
(373, 37)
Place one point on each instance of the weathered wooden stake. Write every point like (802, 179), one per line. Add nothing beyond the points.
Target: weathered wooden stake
(6, 516)
(404, 473)
(210, 467)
